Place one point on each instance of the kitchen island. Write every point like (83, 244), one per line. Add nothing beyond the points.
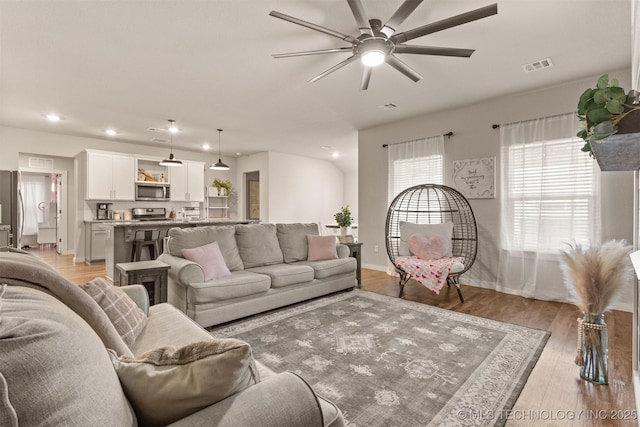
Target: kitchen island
(119, 236)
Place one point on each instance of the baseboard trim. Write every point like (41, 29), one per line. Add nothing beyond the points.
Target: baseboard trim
(375, 267)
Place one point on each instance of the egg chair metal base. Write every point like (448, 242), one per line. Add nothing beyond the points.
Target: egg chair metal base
(452, 279)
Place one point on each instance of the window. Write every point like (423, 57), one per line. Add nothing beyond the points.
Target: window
(551, 195)
(414, 163)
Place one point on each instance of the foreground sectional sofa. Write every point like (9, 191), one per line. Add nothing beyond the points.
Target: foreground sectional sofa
(269, 264)
(55, 369)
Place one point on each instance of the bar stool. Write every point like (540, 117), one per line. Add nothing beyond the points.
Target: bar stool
(142, 238)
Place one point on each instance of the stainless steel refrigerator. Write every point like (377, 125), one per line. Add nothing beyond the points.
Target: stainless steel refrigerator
(11, 208)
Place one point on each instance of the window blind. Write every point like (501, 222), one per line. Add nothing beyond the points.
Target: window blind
(552, 195)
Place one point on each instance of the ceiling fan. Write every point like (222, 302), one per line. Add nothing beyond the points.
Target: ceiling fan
(378, 43)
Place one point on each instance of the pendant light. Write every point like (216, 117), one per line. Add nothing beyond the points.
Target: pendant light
(171, 161)
(219, 166)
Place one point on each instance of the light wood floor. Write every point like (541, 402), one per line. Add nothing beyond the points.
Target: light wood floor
(554, 394)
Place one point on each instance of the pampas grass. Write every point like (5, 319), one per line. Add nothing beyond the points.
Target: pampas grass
(596, 274)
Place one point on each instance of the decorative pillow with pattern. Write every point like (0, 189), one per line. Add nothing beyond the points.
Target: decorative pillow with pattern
(128, 319)
(169, 383)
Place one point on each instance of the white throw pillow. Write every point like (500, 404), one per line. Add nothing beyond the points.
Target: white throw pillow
(169, 383)
(427, 230)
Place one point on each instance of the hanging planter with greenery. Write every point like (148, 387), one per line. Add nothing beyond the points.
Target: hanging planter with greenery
(601, 110)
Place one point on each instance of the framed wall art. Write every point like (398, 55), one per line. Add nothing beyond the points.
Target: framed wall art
(475, 178)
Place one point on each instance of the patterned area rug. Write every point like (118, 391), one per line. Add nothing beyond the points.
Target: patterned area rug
(389, 362)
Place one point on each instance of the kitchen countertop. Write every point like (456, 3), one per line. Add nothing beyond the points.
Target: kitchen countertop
(138, 223)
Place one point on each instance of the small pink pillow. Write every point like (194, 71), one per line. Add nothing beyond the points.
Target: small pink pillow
(321, 248)
(210, 259)
(434, 247)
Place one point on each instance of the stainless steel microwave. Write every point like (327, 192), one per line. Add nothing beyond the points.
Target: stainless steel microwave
(153, 191)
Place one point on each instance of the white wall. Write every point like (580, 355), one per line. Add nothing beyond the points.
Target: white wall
(473, 138)
(302, 189)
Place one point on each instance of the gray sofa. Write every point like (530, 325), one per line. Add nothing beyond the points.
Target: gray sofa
(269, 269)
(55, 369)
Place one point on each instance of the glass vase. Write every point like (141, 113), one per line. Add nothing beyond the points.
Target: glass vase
(595, 349)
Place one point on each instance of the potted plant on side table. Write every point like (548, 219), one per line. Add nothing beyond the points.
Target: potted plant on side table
(610, 121)
(343, 218)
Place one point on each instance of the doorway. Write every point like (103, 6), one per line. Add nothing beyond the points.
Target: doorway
(252, 202)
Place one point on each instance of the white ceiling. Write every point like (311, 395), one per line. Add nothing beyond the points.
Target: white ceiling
(133, 64)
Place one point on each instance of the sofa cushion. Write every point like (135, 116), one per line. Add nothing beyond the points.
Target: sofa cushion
(193, 237)
(321, 248)
(293, 240)
(169, 383)
(209, 258)
(331, 267)
(258, 245)
(56, 369)
(285, 274)
(127, 317)
(238, 284)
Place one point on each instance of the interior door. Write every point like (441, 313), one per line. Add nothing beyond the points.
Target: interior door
(58, 214)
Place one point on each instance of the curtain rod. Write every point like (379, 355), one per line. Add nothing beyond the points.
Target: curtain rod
(494, 126)
(448, 135)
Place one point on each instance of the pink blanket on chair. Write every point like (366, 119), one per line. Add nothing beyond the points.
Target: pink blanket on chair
(432, 273)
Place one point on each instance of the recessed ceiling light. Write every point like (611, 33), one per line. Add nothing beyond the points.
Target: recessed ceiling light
(335, 154)
(205, 146)
(53, 117)
(238, 154)
(111, 132)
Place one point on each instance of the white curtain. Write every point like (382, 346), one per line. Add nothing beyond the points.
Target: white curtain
(34, 193)
(415, 162)
(550, 198)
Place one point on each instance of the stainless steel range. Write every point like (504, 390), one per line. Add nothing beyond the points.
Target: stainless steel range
(149, 214)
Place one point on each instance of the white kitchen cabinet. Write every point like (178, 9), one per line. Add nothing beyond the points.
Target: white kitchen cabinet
(187, 182)
(110, 176)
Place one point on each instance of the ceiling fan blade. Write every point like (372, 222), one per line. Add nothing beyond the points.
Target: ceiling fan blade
(366, 76)
(399, 16)
(334, 68)
(433, 50)
(358, 13)
(403, 68)
(316, 27)
(312, 52)
(454, 21)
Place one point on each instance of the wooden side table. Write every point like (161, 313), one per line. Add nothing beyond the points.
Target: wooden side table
(355, 249)
(146, 272)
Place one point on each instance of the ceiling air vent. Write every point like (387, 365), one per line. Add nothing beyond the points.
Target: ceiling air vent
(164, 141)
(389, 106)
(537, 65)
(156, 130)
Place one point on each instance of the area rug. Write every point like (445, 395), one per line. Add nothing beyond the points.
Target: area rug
(390, 362)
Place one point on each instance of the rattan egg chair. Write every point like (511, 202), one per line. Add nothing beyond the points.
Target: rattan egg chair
(433, 204)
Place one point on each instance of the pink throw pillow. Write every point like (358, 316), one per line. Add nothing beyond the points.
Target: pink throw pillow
(434, 247)
(321, 248)
(210, 259)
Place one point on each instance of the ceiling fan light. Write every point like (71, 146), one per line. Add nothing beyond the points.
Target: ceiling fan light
(219, 166)
(373, 58)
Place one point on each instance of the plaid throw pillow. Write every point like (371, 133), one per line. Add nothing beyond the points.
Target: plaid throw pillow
(125, 315)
